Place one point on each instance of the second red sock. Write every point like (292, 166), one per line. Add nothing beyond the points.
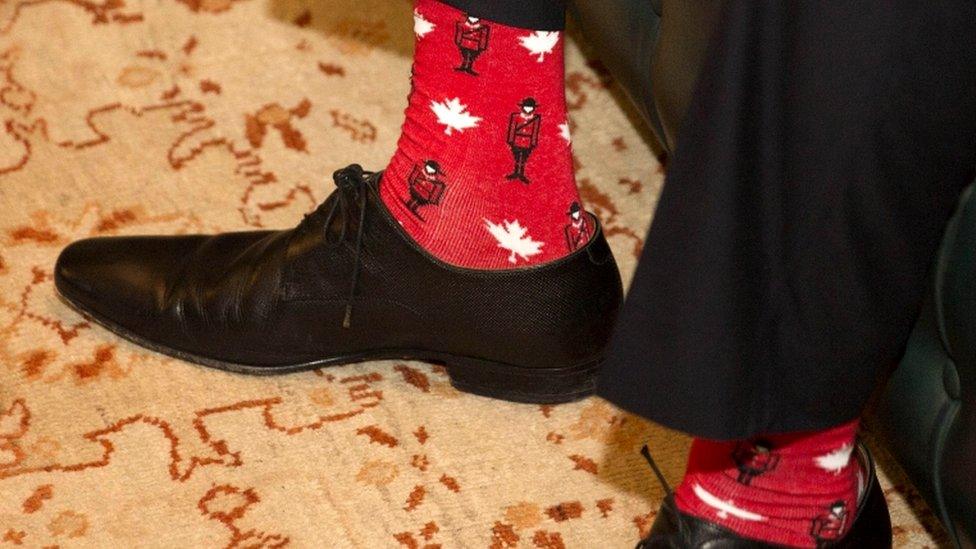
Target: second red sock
(798, 490)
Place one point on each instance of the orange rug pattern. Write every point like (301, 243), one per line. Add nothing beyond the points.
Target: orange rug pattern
(179, 116)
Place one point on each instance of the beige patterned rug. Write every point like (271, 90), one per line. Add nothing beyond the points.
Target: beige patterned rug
(176, 116)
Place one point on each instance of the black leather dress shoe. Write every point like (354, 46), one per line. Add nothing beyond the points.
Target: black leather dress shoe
(349, 285)
(871, 529)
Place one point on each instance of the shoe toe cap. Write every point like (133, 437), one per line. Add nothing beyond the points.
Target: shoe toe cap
(117, 279)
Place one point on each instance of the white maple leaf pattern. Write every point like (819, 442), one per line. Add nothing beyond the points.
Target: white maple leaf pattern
(725, 508)
(512, 236)
(834, 462)
(421, 26)
(564, 132)
(453, 115)
(540, 43)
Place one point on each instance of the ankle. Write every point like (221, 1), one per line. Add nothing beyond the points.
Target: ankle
(483, 173)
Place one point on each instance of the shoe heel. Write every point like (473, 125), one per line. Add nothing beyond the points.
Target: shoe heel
(520, 384)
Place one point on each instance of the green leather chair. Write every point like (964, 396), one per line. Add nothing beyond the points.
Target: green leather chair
(653, 49)
(928, 410)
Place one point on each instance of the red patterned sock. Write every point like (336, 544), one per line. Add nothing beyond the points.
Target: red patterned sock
(797, 489)
(483, 172)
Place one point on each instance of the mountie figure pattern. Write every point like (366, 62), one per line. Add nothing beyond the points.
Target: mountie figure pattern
(471, 36)
(577, 231)
(483, 167)
(830, 526)
(426, 187)
(523, 136)
(753, 458)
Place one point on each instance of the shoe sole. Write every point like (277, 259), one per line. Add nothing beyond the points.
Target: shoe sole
(470, 375)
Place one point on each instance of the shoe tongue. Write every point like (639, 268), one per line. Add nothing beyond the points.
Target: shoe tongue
(352, 171)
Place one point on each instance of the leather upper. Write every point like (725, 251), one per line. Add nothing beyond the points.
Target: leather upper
(269, 298)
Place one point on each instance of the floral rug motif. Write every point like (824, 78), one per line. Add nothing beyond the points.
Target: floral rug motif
(179, 116)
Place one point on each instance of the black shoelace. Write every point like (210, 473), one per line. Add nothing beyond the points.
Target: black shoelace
(669, 500)
(350, 193)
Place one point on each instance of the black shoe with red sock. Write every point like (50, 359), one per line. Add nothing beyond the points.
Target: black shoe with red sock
(471, 248)
(816, 489)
